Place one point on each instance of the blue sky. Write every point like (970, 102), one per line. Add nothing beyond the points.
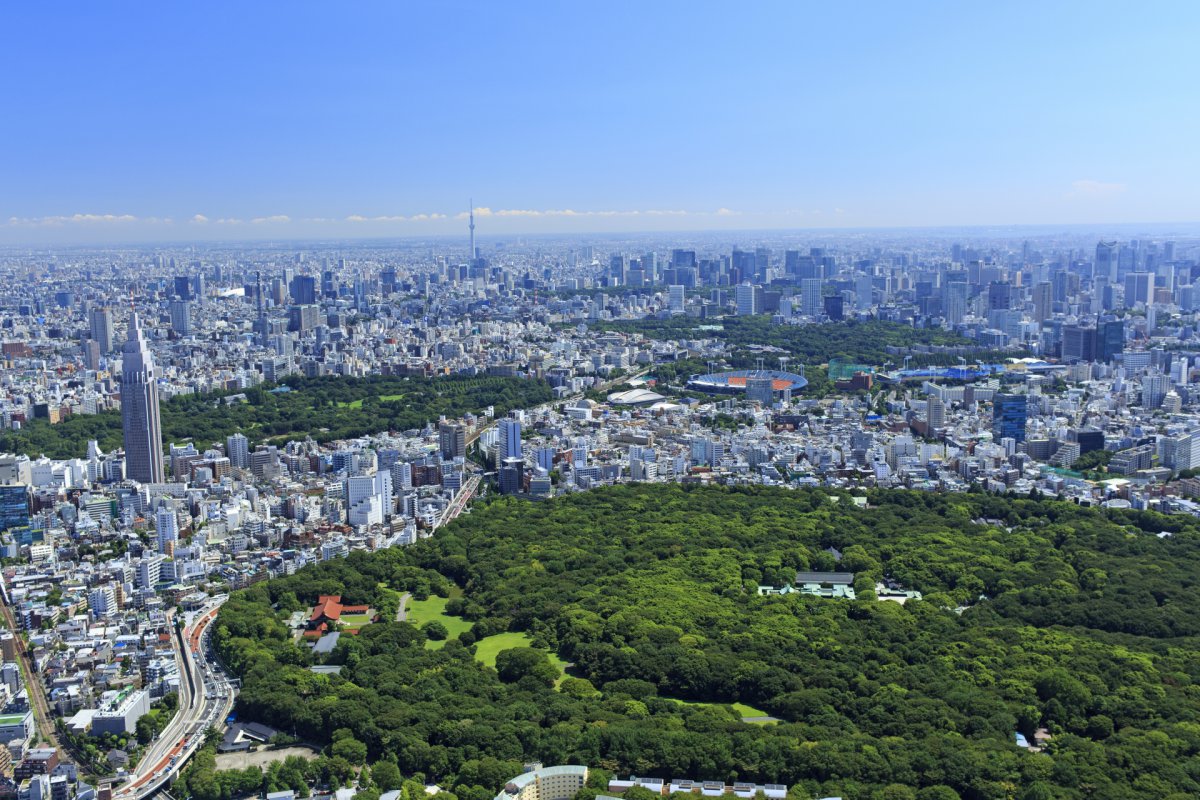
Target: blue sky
(247, 120)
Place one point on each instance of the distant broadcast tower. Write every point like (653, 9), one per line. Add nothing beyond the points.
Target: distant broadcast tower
(471, 254)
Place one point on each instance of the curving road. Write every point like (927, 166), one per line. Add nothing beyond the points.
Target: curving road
(205, 699)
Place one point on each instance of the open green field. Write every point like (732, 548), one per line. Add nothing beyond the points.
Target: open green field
(489, 647)
(386, 398)
(743, 709)
(434, 608)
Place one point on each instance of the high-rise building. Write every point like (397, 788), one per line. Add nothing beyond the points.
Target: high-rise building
(935, 412)
(1154, 389)
(1009, 415)
(1043, 301)
(676, 298)
(1110, 339)
(1139, 288)
(181, 317)
(1107, 257)
(101, 323)
(183, 287)
(510, 438)
(512, 472)
(452, 441)
(811, 303)
(304, 290)
(166, 525)
(14, 506)
(140, 418)
(237, 450)
(746, 298)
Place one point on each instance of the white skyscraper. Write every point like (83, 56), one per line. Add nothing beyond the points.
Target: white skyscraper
(139, 409)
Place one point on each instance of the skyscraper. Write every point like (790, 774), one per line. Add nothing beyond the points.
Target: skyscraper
(676, 299)
(746, 299)
(181, 317)
(100, 320)
(139, 409)
(1105, 268)
(237, 450)
(811, 290)
(510, 438)
(1043, 301)
(1009, 415)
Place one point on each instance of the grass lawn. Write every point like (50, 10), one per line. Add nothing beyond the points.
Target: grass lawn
(434, 608)
(356, 620)
(384, 398)
(741, 708)
(489, 647)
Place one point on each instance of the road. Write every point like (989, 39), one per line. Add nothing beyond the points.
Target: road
(205, 699)
(33, 682)
(459, 502)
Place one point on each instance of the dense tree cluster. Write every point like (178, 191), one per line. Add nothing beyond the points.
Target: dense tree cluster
(1035, 614)
(326, 408)
(853, 340)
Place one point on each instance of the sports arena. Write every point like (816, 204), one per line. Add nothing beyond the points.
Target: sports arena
(735, 382)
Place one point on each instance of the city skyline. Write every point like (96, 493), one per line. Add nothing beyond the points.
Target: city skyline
(566, 120)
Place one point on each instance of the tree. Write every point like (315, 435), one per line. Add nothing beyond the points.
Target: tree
(350, 749)
(519, 662)
(386, 775)
(435, 630)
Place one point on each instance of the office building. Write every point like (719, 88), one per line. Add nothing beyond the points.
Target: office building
(1043, 301)
(181, 317)
(510, 438)
(1105, 268)
(811, 291)
(1009, 415)
(746, 297)
(676, 299)
(14, 506)
(140, 418)
(101, 323)
(512, 471)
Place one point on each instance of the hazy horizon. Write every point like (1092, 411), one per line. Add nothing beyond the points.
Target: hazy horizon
(230, 122)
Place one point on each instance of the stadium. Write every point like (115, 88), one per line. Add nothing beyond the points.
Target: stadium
(735, 382)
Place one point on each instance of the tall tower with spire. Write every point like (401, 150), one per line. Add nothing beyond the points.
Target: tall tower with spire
(471, 255)
(140, 418)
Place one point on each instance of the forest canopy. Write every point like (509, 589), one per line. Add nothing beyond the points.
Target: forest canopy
(864, 341)
(327, 408)
(1037, 615)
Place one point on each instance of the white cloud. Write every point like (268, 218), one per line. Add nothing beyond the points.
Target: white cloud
(1095, 189)
(74, 219)
(200, 219)
(725, 212)
(272, 220)
(229, 221)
